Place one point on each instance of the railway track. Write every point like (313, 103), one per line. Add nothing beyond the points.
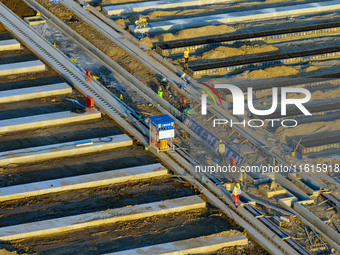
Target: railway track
(66, 189)
(215, 67)
(115, 32)
(12, 20)
(312, 83)
(104, 26)
(182, 154)
(199, 45)
(235, 17)
(326, 142)
(314, 109)
(250, 229)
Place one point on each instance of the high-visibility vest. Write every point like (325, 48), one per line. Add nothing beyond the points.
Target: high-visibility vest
(160, 93)
(236, 191)
(184, 102)
(186, 54)
(221, 148)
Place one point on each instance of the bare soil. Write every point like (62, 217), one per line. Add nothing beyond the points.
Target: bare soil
(20, 9)
(89, 200)
(307, 129)
(226, 52)
(200, 32)
(131, 234)
(73, 166)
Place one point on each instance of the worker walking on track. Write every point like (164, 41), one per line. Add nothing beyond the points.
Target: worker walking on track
(221, 150)
(186, 56)
(184, 103)
(88, 76)
(160, 92)
(236, 193)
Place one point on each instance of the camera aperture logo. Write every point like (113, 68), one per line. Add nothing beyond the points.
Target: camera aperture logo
(238, 105)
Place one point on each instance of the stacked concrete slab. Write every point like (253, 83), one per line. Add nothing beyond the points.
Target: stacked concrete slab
(11, 44)
(155, 5)
(82, 181)
(45, 120)
(70, 223)
(201, 245)
(67, 149)
(15, 95)
(245, 16)
(22, 67)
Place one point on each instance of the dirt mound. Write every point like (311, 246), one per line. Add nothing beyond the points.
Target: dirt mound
(5, 252)
(306, 129)
(271, 72)
(190, 33)
(147, 41)
(319, 95)
(311, 69)
(204, 31)
(224, 52)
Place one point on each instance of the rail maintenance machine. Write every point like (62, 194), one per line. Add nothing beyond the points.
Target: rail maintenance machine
(162, 133)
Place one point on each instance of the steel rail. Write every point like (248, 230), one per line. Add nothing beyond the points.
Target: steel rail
(252, 231)
(66, 68)
(195, 45)
(117, 37)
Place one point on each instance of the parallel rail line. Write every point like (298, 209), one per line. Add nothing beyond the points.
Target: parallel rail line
(196, 45)
(72, 74)
(242, 224)
(116, 34)
(310, 82)
(314, 109)
(306, 145)
(215, 68)
(277, 230)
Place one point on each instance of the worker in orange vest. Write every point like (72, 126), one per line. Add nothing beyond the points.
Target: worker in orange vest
(88, 76)
(236, 193)
(184, 103)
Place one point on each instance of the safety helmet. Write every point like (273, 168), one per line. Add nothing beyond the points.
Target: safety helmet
(220, 141)
(187, 49)
(238, 185)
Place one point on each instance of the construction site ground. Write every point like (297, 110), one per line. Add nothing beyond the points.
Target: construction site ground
(159, 229)
(168, 228)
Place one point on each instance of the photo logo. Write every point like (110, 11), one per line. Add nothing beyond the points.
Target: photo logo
(239, 103)
(206, 92)
(238, 100)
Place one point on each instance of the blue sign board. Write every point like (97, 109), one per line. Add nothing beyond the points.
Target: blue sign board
(162, 121)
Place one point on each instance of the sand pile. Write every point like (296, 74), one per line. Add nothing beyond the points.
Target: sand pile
(225, 52)
(307, 129)
(270, 72)
(276, 71)
(189, 33)
(6, 252)
(232, 232)
(319, 95)
(312, 69)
